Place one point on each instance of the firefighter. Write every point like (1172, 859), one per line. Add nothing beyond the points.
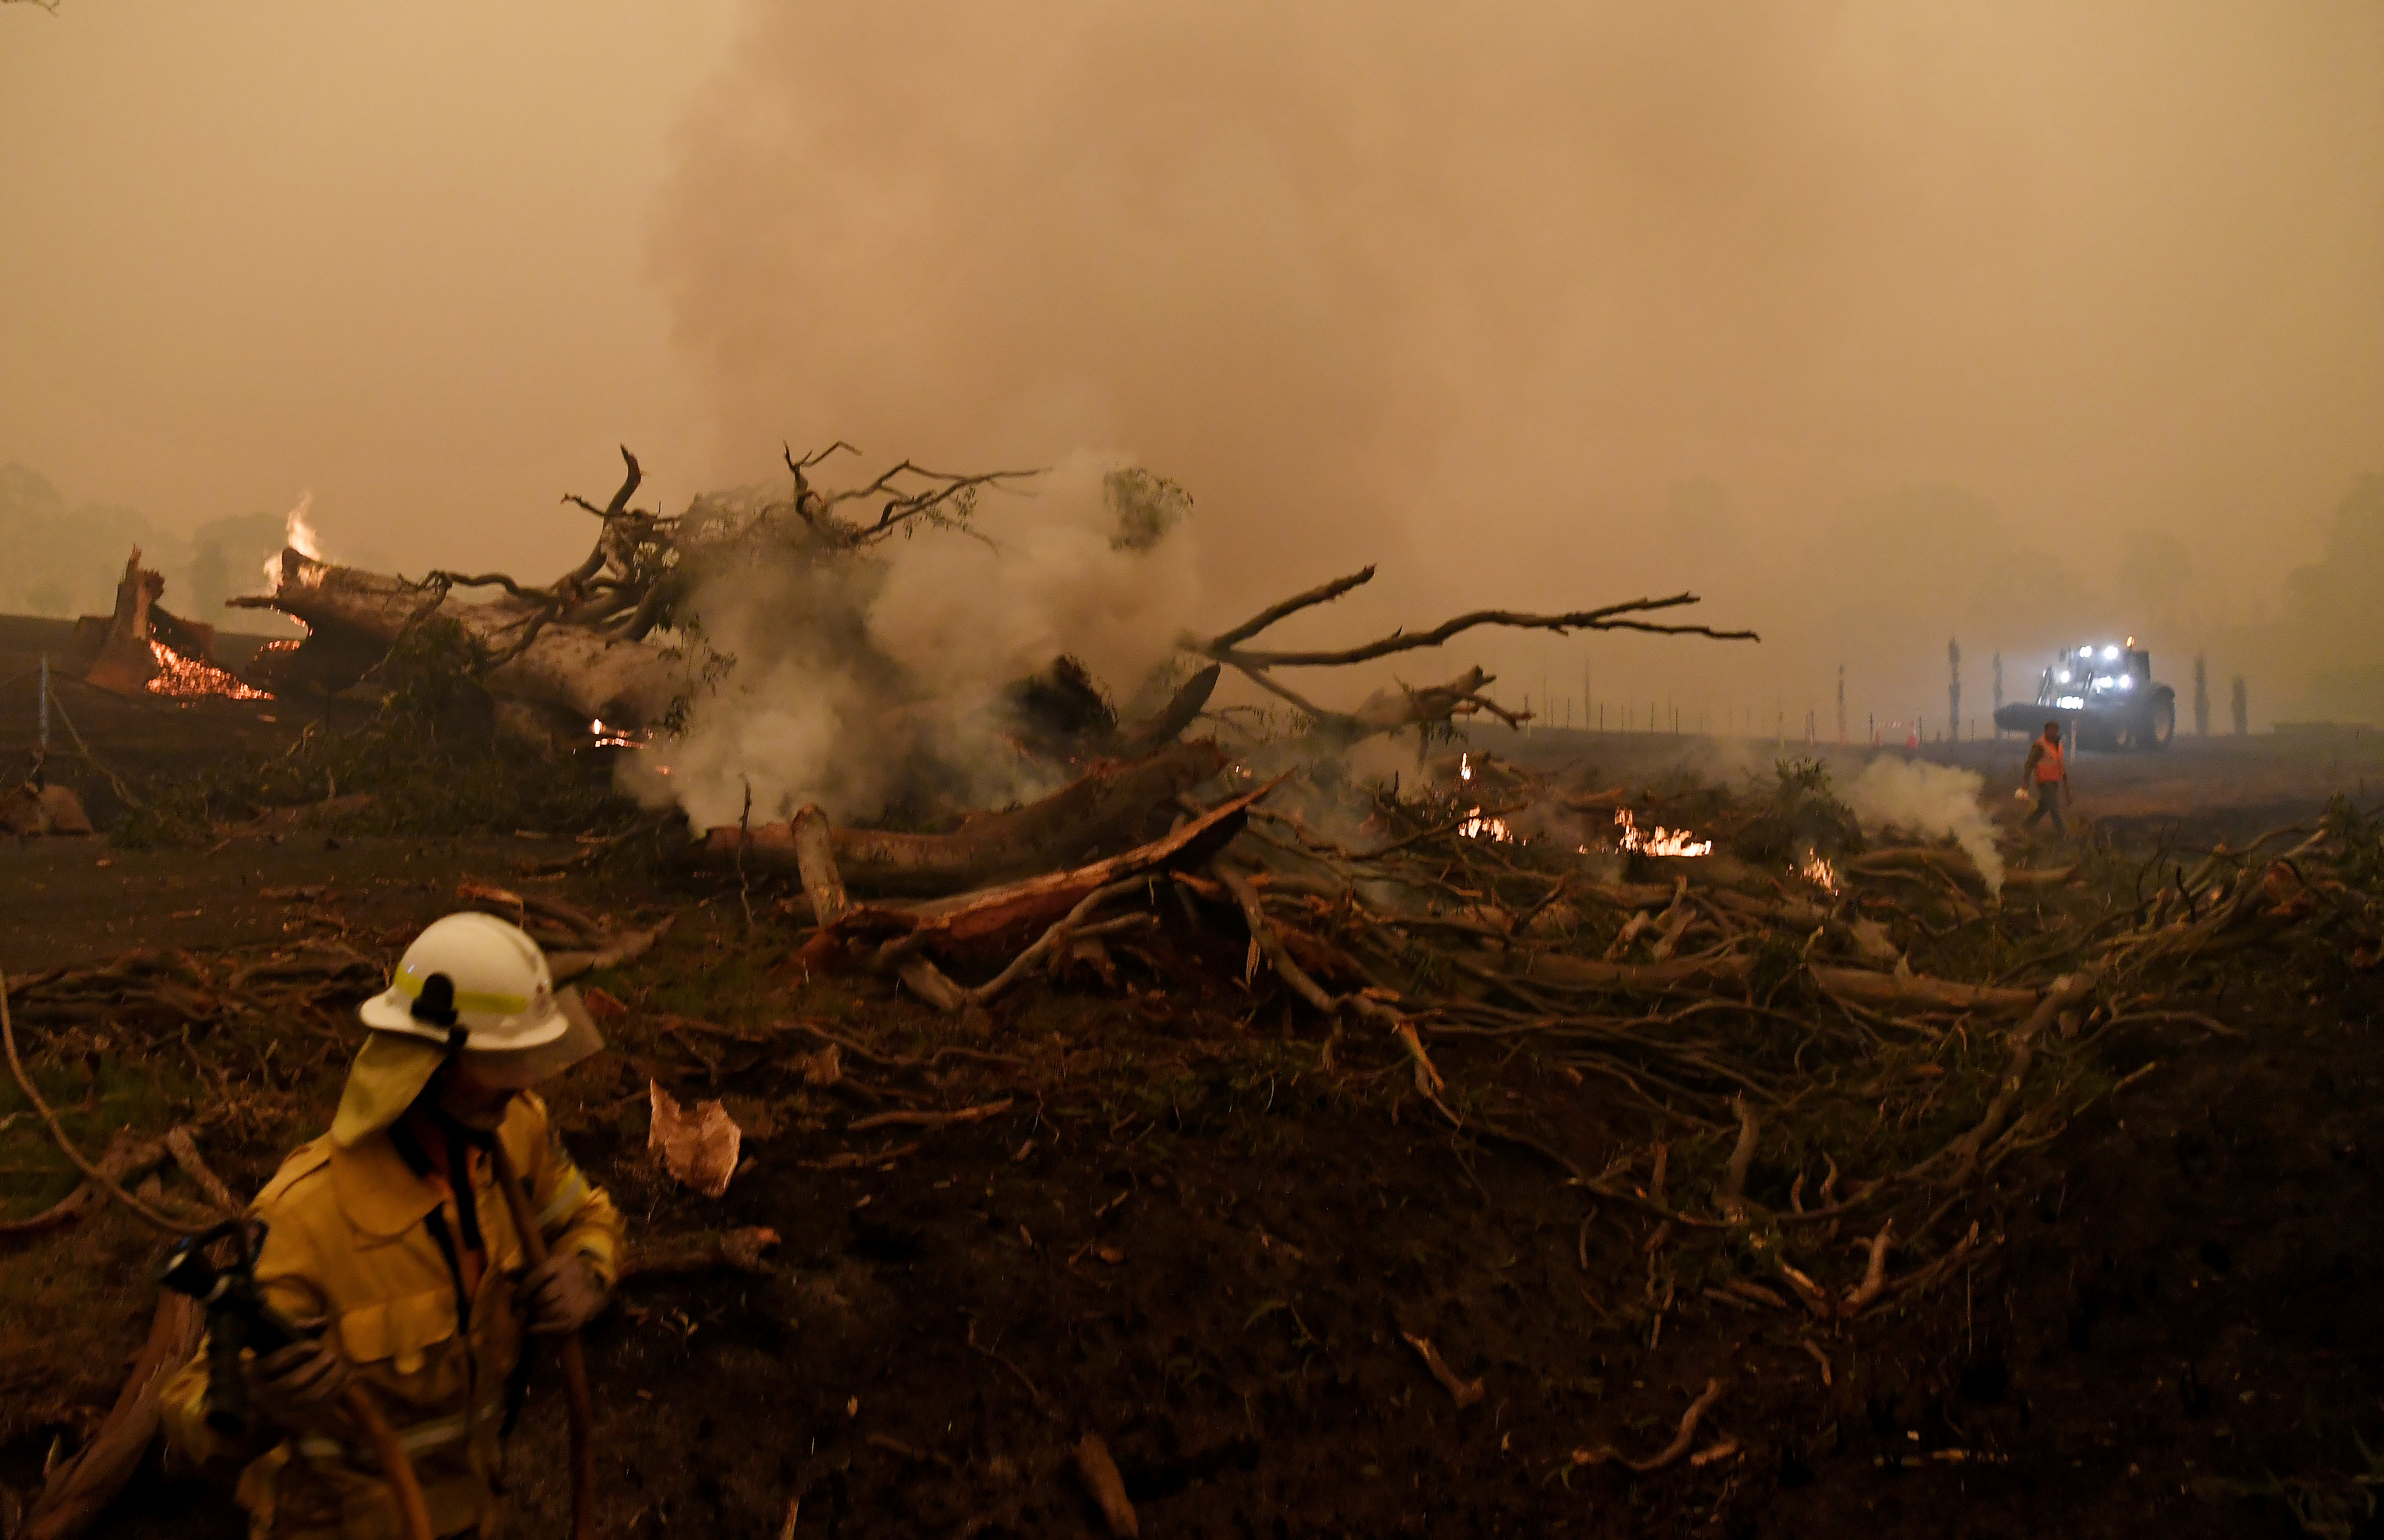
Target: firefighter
(389, 1235)
(2047, 773)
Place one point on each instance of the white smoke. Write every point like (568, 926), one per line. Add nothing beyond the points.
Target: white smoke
(1055, 580)
(1928, 799)
(850, 674)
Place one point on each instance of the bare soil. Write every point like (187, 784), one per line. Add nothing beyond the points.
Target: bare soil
(1189, 1236)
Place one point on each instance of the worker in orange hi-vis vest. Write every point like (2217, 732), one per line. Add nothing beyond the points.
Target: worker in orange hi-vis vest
(2047, 770)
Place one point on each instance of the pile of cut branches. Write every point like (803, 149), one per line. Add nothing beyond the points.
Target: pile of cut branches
(1799, 1073)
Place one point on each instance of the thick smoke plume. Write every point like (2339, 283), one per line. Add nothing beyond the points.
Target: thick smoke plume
(1931, 802)
(1875, 324)
(881, 682)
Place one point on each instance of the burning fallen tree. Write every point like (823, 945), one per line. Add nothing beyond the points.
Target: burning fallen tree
(681, 640)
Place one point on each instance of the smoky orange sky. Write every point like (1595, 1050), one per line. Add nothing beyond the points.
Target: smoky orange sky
(1876, 323)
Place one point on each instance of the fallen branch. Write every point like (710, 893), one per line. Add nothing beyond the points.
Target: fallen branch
(1604, 1453)
(1100, 1477)
(1268, 942)
(737, 1250)
(1859, 1297)
(124, 1155)
(1742, 1159)
(931, 1120)
(1916, 991)
(91, 1174)
(1466, 1392)
(1555, 970)
(2065, 994)
(185, 1151)
(1054, 940)
(567, 965)
(78, 1493)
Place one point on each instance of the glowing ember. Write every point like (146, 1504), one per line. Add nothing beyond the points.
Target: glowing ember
(614, 738)
(1478, 827)
(1465, 766)
(1817, 871)
(1662, 843)
(185, 679)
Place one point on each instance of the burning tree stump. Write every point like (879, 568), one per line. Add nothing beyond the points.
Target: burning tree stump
(142, 648)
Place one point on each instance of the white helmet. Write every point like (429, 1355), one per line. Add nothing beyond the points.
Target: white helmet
(474, 971)
(471, 984)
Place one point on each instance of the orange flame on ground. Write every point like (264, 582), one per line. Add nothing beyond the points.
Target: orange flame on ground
(186, 679)
(1817, 871)
(1662, 843)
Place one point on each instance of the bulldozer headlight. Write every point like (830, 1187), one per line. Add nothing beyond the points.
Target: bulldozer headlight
(2110, 653)
(2126, 681)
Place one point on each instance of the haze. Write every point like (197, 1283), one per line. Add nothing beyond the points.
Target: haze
(1876, 324)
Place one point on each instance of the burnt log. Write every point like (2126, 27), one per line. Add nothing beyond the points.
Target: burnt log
(1104, 808)
(1040, 900)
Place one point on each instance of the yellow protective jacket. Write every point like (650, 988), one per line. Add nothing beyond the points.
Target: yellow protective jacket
(351, 1240)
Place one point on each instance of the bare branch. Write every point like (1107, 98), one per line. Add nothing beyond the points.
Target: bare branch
(620, 503)
(443, 579)
(1321, 594)
(1609, 617)
(814, 457)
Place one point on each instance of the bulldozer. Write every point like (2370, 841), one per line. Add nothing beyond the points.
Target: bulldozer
(2103, 696)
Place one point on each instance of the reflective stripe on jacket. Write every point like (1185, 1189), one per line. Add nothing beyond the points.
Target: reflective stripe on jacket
(351, 1241)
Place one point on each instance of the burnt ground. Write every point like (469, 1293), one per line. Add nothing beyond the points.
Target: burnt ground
(1189, 1236)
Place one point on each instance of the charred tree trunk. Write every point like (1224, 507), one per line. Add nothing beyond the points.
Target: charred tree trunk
(570, 668)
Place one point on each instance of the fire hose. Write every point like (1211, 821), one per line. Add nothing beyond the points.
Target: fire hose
(237, 1318)
(575, 1362)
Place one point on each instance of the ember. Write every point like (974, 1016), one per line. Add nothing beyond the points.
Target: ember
(1817, 871)
(1662, 843)
(186, 679)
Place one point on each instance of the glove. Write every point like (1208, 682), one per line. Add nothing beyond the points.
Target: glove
(561, 1295)
(298, 1387)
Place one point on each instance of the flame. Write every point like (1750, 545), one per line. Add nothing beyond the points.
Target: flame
(1817, 871)
(1478, 827)
(299, 536)
(1662, 843)
(1465, 767)
(615, 738)
(187, 678)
